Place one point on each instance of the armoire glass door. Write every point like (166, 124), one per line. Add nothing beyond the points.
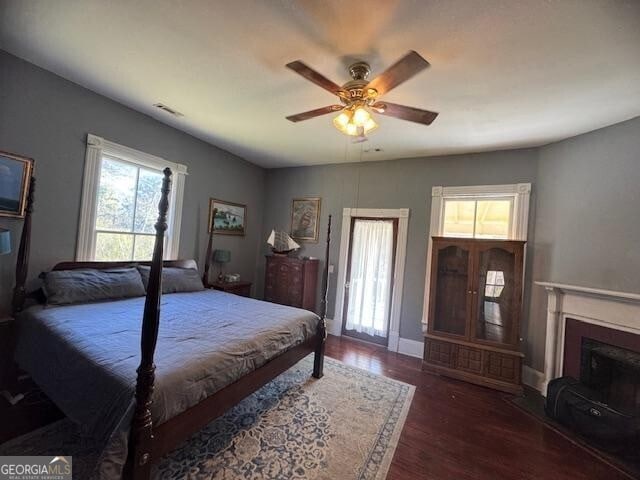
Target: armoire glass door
(452, 283)
(495, 297)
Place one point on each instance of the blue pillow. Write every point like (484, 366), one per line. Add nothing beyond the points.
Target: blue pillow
(175, 280)
(65, 287)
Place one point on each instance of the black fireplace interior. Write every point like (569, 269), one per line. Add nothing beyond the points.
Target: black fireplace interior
(613, 372)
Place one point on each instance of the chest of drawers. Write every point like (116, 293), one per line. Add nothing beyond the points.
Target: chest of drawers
(291, 281)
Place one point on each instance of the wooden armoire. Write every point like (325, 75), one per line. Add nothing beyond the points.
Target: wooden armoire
(291, 281)
(475, 303)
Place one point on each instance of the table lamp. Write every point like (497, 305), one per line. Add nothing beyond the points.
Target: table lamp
(5, 241)
(221, 257)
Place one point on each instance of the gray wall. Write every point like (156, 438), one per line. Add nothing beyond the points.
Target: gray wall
(583, 226)
(587, 229)
(391, 184)
(46, 117)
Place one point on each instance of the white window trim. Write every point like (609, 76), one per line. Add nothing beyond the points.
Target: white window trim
(402, 214)
(96, 148)
(519, 193)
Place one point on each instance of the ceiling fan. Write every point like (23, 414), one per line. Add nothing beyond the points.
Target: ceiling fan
(359, 96)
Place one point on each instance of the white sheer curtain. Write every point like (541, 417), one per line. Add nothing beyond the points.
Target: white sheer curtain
(370, 280)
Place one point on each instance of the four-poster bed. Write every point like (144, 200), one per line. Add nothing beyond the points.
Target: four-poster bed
(148, 441)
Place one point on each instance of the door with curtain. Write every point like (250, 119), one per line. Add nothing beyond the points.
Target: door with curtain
(369, 281)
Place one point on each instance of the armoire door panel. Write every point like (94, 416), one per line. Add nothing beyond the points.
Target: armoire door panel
(451, 281)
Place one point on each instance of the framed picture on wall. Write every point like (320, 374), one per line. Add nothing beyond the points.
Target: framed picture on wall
(15, 173)
(230, 218)
(305, 216)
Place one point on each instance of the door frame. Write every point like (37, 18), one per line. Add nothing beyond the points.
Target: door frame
(384, 341)
(402, 214)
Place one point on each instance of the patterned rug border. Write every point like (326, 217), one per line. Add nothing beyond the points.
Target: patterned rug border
(389, 449)
(395, 438)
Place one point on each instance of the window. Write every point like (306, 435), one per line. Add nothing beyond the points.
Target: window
(120, 203)
(477, 218)
(127, 207)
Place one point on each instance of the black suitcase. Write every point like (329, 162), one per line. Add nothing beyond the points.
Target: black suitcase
(580, 408)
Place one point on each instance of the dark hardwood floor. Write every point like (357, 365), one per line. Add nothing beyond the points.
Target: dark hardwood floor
(454, 430)
(460, 431)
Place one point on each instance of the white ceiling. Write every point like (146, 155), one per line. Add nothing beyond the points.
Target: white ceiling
(504, 73)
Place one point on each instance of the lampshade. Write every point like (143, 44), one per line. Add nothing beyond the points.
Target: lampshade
(221, 256)
(5, 241)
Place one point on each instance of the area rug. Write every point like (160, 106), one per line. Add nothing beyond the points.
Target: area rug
(343, 426)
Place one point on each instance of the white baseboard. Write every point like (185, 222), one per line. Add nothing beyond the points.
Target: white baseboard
(412, 348)
(534, 379)
(333, 327)
(393, 345)
(405, 346)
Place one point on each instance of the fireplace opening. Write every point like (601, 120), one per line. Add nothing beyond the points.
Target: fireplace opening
(613, 372)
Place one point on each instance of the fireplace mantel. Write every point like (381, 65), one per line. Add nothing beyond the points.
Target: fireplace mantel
(608, 308)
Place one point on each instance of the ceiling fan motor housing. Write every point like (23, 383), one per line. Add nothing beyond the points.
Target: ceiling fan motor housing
(360, 70)
(356, 90)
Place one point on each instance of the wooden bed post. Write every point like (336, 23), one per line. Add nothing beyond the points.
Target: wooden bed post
(22, 262)
(318, 360)
(9, 378)
(207, 258)
(139, 459)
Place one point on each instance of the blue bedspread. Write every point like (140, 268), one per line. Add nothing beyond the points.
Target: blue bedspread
(84, 357)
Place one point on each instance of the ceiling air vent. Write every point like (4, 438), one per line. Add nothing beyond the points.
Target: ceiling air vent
(170, 110)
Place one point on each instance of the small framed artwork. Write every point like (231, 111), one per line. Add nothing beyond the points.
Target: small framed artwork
(305, 216)
(15, 174)
(230, 217)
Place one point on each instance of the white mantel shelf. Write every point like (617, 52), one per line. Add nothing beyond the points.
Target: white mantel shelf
(607, 308)
(594, 292)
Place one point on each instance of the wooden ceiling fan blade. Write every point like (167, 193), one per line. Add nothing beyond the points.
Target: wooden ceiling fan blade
(313, 76)
(401, 71)
(403, 112)
(314, 113)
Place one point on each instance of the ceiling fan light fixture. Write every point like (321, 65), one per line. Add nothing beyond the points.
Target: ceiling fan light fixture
(355, 124)
(341, 121)
(359, 96)
(370, 125)
(361, 116)
(352, 129)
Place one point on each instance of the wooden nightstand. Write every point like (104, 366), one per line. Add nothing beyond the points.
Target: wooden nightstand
(237, 288)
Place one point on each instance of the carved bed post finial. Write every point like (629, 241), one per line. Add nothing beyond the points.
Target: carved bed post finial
(139, 461)
(22, 262)
(207, 258)
(318, 362)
